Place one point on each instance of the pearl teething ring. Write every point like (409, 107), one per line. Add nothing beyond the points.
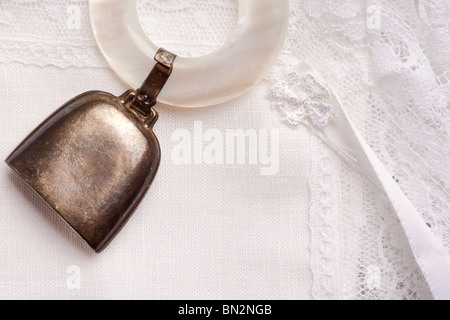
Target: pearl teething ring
(218, 77)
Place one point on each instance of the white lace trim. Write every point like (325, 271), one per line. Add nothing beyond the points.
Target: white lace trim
(300, 97)
(58, 34)
(326, 244)
(390, 68)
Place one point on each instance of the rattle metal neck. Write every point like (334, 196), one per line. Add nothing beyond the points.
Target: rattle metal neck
(146, 95)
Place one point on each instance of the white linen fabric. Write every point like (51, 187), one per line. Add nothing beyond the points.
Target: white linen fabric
(201, 232)
(209, 231)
